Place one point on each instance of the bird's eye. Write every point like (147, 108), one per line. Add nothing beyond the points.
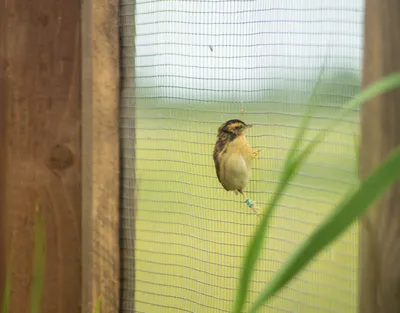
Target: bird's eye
(239, 127)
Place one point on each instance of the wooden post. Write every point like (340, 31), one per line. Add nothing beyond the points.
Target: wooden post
(60, 147)
(100, 147)
(380, 132)
(41, 117)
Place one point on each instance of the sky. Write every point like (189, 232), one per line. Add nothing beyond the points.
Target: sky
(241, 49)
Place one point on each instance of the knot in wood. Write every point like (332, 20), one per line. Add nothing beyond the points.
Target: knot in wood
(61, 158)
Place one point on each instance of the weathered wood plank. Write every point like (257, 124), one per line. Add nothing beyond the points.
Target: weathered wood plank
(100, 147)
(380, 134)
(41, 146)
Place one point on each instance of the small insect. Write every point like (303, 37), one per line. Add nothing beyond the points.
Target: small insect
(233, 158)
(211, 48)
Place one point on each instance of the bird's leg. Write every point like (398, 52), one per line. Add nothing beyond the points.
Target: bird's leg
(255, 154)
(250, 204)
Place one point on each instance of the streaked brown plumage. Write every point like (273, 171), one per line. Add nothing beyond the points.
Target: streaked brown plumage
(233, 157)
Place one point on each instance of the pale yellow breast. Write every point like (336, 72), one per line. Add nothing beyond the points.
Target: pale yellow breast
(236, 164)
(242, 147)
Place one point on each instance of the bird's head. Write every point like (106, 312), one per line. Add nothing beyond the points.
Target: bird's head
(234, 127)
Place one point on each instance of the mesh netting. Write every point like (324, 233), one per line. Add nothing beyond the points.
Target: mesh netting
(198, 64)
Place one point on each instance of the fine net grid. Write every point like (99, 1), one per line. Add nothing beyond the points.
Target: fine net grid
(193, 65)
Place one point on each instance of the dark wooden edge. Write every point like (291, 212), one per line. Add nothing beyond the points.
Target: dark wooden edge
(128, 154)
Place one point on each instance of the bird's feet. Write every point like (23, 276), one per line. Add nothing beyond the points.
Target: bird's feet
(255, 210)
(255, 154)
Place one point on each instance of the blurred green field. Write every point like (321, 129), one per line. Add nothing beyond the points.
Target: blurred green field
(191, 233)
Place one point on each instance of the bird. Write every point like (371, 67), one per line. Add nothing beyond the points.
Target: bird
(233, 158)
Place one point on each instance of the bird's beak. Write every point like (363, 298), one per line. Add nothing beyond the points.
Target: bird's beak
(249, 126)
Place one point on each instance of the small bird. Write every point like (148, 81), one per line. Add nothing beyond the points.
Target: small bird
(233, 158)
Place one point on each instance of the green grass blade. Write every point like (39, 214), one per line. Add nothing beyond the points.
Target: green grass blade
(257, 241)
(286, 176)
(381, 86)
(38, 262)
(256, 244)
(7, 288)
(357, 154)
(291, 164)
(305, 122)
(7, 293)
(97, 307)
(342, 217)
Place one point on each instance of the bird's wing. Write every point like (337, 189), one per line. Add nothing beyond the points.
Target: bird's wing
(217, 158)
(216, 162)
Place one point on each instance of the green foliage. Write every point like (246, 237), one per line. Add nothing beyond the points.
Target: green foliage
(38, 261)
(289, 169)
(38, 269)
(97, 307)
(351, 207)
(7, 289)
(344, 84)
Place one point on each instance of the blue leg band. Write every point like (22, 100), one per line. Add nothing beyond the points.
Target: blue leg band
(249, 203)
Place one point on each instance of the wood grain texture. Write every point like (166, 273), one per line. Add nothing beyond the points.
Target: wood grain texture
(3, 140)
(41, 117)
(380, 134)
(100, 146)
